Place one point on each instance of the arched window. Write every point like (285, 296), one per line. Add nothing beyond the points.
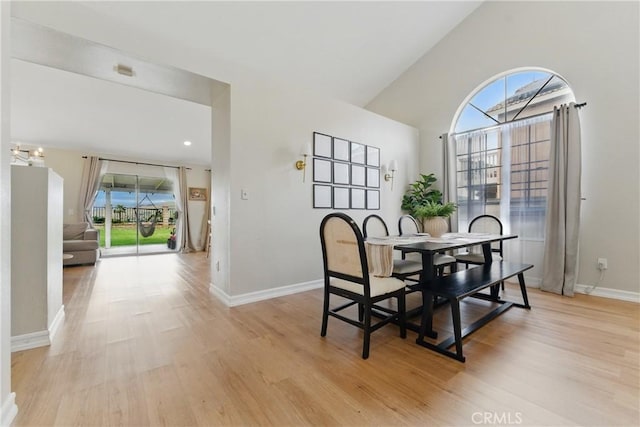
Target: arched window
(501, 144)
(512, 96)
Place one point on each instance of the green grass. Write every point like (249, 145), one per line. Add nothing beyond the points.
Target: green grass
(125, 235)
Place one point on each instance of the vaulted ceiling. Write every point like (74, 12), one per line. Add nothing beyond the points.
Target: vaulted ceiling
(347, 50)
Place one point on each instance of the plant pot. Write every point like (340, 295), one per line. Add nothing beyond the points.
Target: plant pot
(435, 226)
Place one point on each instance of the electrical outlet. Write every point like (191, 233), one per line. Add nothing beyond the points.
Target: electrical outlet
(602, 263)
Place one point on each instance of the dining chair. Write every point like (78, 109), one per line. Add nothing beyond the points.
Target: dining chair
(403, 269)
(346, 274)
(482, 224)
(408, 225)
(474, 255)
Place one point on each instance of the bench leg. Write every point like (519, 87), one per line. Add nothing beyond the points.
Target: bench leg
(495, 291)
(426, 323)
(457, 327)
(523, 289)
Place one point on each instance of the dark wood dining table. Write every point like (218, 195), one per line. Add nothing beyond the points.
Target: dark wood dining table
(430, 246)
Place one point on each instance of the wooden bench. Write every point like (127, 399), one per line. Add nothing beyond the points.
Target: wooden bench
(465, 283)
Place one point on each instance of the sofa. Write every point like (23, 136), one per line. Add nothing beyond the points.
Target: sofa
(81, 242)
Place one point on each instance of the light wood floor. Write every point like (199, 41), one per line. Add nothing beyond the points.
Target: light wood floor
(145, 344)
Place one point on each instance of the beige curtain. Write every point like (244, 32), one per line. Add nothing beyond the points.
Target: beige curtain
(185, 233)
(563, 203)
(204, 230)
(92, 171)
(178, 177)
(449, 181)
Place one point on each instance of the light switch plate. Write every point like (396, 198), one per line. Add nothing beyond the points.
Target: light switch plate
(244, 194)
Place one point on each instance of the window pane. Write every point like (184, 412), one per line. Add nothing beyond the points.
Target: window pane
(470, 118)
(491, 99)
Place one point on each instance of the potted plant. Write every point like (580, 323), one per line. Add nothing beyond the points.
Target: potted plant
(425, 203)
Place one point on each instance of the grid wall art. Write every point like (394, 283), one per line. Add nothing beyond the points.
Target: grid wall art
(346, 174)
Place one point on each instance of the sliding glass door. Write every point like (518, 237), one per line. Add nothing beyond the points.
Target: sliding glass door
(135, 215)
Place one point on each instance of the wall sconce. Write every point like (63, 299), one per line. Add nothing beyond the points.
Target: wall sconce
(301, 165)
(393, 167)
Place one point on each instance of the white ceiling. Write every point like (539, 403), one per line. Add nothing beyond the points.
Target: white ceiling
(55, 108)
(347, 50)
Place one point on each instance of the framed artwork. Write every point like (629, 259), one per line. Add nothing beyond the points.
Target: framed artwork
(341, 149)
(340, 173)
(373, 199)
(373, 177)
(197, 193)
(346, 174)
(322, 196)
(358, 196)
(341, 197)
(373, 156)
(358, 175)
(321, 145)
(321, 170)
(358, 153)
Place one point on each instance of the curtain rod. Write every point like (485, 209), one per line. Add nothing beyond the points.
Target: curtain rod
(137, 163)
(583, 104)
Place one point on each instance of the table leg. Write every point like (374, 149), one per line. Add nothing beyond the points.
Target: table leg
(426, 323)
(486, 251)
(488, 259)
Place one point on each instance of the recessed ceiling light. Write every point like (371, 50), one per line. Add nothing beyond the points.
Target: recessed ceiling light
(187, 143)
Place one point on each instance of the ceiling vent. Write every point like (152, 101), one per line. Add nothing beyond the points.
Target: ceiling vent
(124, 70)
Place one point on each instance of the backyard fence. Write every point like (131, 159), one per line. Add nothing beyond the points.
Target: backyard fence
(165, 214)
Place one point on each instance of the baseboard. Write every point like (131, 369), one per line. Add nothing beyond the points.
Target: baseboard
(607, 293)
(533, 282)
(9, 410)
(55, 325)
(40, 338)
(29, 341)
(235, 300)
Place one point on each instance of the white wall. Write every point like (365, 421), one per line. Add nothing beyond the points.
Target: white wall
(595, 47)
(220, 191)
(276, 231)
(36, 249)
(8, 408)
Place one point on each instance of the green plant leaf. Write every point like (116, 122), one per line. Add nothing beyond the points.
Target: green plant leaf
(421, 201)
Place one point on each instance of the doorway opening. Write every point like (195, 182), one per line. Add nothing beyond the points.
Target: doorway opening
(135, 215)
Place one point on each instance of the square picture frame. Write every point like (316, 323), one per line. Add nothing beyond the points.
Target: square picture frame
(341, 173)
(373, 177)
(358, 153)
(322, 145)
(358, 198)
(322, 196)
(322, 170)
(373, 199)
(341, 198)
(373, 156)
(341, 150)
(358, 175)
